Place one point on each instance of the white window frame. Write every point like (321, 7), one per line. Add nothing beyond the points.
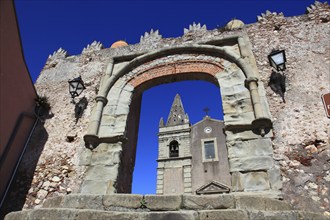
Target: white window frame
(216, 158)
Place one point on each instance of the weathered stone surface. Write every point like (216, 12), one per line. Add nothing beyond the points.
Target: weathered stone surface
(95, 187)
(255, 181)
(237, 185)
(80, 201)
(260, 203)
(102, 173)
(239, 119)
(17, 215)
(283, 215)
(208, 202)
(237, 106)
(85, 157)
(275, 179)
(123, 200)
(310, 215)
(53, 202)
(250, 163)
(286, 215)
(161, 202)
(244, 135)
(238, 91)
(106, 157)
(256, 147)
(178, 215)
(251, 181)
(223, 214)
(233, 79)
(52, 214)
(88, 214)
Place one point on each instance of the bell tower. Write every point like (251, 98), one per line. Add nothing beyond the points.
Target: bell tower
(174, 152)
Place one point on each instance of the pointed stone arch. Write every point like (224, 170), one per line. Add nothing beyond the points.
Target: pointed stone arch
(226, 62)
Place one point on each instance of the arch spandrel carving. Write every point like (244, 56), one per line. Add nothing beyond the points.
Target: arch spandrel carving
(231, 67)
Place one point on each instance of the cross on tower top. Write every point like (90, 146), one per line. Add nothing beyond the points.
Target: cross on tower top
(206, 110)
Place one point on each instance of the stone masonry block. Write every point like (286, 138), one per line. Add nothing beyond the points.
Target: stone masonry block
(239, 119)
(106, 154)
(250, 163)
(81, 201)
(281, 215)
(109, 109)
(236, 182)
(52, 214)
(235, 78)
(122, 109)
(163, 203)
(240, 89)
(94, 187)
(275, 178)
(102, 173)
(18, 215)
(108, 120)
(208, 202)
(173, 215)
(125, 97)
(236, 96)
(53, 202)
(223, 214)
(92, 215)
(255, 181)
(237, 106)
(261, 203)
(256, 147)
(85, 157)
(123, 200)
(105, 158)
(252, 181)
(244, 135)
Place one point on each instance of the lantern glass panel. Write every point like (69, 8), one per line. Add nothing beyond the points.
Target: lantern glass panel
(278, 59)
(73, 86)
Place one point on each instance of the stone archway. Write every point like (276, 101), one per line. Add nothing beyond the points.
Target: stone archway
(228, 62)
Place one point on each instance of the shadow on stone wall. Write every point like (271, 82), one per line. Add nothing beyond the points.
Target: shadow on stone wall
(23, 179)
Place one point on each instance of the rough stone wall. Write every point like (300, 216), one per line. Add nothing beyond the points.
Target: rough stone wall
(301, 129)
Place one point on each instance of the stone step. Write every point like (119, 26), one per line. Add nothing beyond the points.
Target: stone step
(227, 214)
(165, 203)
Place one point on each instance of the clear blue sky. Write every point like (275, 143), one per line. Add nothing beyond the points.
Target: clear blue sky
(46, 25)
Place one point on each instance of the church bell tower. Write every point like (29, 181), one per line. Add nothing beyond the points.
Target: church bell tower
(174, 152)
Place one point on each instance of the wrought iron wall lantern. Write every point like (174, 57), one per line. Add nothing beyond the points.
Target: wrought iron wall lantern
(76, 86)
(276, 82)
(277, 59)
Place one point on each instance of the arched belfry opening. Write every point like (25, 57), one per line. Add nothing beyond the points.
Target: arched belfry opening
(174, 149)
(228, 62)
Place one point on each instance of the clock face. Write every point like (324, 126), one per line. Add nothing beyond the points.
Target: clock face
(208, 130)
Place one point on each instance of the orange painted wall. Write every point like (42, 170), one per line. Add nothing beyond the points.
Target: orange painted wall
(17, 94)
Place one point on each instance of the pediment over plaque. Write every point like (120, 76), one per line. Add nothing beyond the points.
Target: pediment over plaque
(213, 187)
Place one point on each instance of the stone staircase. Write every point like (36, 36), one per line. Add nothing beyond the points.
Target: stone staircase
(174, 207)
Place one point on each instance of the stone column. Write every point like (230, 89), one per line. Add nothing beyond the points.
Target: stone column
(91, 138)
